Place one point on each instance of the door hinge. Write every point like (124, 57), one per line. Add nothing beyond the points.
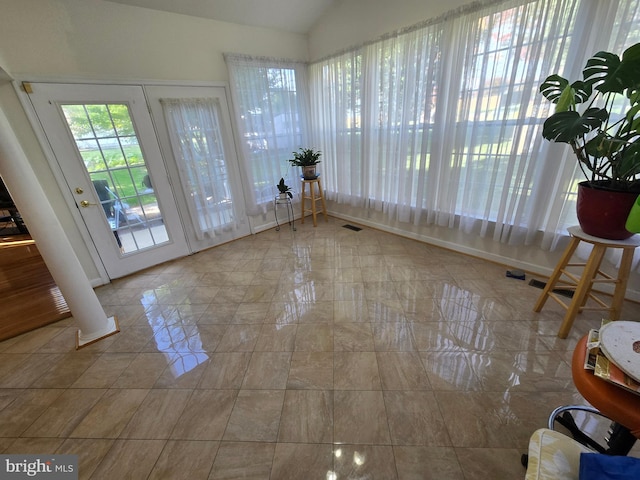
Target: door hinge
(26, 86)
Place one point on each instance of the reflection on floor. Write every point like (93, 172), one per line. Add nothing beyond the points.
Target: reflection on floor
(318, 354)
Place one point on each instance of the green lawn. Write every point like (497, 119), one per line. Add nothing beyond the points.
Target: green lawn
(111, 163)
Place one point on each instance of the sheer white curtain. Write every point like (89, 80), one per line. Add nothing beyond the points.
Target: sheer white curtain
(336, 103)
(441, 123)
(271, 107)
(196, 140)
(399, 92)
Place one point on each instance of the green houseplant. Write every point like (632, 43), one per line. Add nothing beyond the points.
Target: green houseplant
(606, 143)
(284, 189)
(307, 159)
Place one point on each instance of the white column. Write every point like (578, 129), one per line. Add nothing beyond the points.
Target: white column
(49, 236)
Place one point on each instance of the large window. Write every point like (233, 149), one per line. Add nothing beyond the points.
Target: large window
(442, 123)
(270, 101)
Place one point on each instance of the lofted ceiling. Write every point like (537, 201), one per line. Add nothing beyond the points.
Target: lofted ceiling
(296, 16)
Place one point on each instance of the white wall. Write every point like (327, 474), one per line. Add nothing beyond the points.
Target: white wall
(93, 38)
(352, 22)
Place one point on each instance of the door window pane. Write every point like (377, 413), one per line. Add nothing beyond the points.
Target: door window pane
(105, 138)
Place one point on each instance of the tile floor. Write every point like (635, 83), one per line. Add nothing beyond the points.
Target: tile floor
(318, 354)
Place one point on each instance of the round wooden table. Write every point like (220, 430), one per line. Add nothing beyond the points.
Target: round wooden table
(619, 405)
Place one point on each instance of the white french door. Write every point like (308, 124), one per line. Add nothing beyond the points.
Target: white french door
(103, 140)
(141, 208)
(194, 129)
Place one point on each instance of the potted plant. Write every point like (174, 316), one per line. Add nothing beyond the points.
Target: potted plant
(307, 158)
(605, 142)
(284, 190)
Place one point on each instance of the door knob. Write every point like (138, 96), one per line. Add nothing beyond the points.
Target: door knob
(86, 203)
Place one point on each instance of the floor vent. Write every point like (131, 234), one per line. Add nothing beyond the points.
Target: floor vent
(352, 227)
(558, 291)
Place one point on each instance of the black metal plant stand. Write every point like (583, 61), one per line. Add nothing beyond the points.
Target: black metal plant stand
(290, 217)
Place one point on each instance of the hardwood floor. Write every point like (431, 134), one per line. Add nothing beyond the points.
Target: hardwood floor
(29, 297)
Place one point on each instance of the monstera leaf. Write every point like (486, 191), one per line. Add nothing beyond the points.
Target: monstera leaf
(607, 73)
(632, 126)
(567, 126)
(606, 137)
(603, 145)
(557, 90)
(626, 163)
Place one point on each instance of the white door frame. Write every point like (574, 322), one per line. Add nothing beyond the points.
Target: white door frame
(89, 221)
(154, 93)
(103, 277)
(23, 96)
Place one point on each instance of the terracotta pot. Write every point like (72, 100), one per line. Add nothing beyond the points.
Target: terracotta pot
(602, 212)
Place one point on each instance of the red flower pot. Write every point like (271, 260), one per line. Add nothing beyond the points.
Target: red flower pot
(602, 212)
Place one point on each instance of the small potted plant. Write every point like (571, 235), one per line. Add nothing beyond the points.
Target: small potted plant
(307, 159)
(606, 143)
(284, 190)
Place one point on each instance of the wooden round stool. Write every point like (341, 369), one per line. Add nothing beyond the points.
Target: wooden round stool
(581, 284)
